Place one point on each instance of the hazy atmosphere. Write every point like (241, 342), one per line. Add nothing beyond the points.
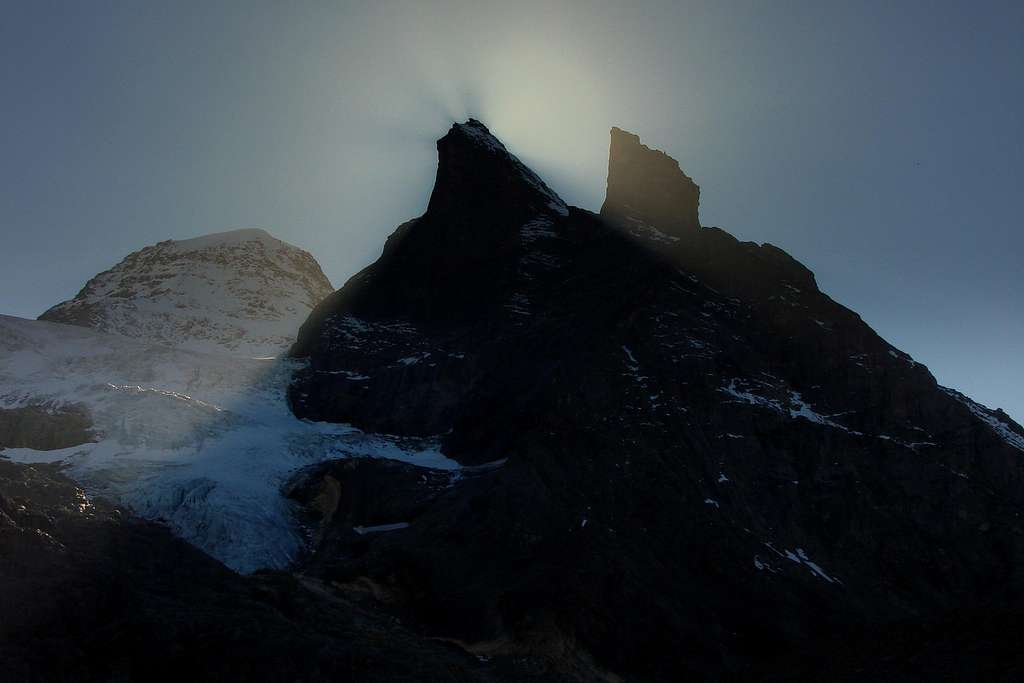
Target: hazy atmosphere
(879, 145)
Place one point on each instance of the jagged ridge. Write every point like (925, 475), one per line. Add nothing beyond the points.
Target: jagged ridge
(708, 460)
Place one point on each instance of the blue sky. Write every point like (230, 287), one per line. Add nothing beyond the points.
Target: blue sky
(880, 143)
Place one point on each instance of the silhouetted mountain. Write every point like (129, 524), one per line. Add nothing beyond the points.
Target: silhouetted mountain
(705, 462)
(537, 444)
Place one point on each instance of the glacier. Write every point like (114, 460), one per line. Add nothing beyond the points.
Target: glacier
(199, 441)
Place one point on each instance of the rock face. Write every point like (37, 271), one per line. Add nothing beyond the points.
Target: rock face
(487, 229)
(352, 497)
(647, 188)
(709, 461)
(242, 292)
(45, 427)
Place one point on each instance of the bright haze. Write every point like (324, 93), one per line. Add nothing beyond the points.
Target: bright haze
(882, 144)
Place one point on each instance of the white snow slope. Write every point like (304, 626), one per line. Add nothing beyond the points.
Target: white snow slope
(242, 291)
(200, 441)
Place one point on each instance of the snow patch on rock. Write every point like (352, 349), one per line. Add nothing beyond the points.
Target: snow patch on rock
(988, 416)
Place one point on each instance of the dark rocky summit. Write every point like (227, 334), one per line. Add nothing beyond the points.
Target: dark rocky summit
(708, 467)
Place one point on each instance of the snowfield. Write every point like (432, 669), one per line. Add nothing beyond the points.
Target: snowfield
(199, 441)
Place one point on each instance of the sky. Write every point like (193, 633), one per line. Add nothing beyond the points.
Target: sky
(880, 143)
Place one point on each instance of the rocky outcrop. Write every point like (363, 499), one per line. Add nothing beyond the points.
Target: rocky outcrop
(709, 461)
(45, 427)
(648, 191)
(242, 292)
(347, 499)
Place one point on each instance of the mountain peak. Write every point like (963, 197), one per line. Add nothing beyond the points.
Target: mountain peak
(243, 292)
(477, 133)
(646, 185)
(475, 168)
(235, 235)
(635, 376)
(463, 254)
(227, 238)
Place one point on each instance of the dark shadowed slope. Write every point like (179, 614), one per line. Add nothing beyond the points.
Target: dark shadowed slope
(710, 463)
(89, 594)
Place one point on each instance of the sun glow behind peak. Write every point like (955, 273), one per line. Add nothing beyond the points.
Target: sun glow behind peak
(812, 126)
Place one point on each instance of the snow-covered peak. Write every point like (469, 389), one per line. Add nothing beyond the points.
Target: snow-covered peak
(243, 292)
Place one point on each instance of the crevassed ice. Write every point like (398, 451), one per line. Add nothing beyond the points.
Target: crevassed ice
(201, 442)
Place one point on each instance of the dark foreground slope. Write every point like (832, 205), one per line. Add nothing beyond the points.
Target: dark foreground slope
(89, 594)
(709, 466)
